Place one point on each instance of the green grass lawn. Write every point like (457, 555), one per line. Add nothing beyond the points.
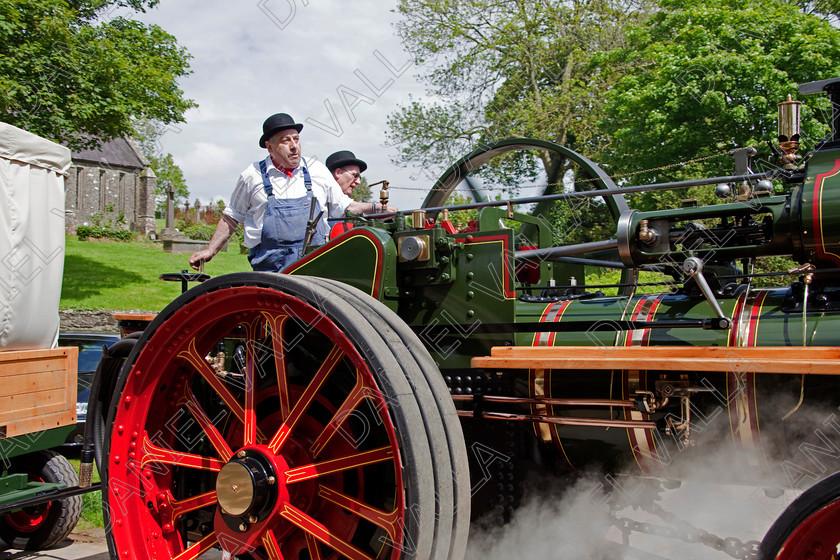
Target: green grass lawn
(123, 276)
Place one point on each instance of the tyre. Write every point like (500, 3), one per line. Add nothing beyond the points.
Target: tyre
(443, 428)
(809, 527)
(314, 446)
(43, 526)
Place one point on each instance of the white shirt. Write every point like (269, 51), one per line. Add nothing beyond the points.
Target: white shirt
(247, 203)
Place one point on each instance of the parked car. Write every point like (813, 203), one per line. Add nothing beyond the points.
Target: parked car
(90, 352)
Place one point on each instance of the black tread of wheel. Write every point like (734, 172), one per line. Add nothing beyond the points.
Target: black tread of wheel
(107, 373)
(64, 514)
(411, 435)
(365, 334)
(809, 502)
(440, 416)
(432, 419)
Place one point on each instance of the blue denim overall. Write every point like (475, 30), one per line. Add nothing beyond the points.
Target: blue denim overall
(284, 226)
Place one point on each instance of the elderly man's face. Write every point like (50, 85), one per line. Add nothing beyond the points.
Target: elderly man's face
(348, 178)
(284, 147)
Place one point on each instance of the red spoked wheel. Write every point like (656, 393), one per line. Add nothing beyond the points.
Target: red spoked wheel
(810, 526)
(269, 419)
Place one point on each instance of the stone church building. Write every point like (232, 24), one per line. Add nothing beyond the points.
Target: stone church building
(114, 185)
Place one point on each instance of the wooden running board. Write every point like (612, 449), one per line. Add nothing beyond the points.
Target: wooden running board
(815, 360)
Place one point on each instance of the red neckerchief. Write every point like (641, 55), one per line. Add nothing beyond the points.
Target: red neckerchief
(285, 170)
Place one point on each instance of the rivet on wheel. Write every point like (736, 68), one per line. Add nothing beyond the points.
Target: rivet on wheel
(243, 527)
(271, 480)
(252, 519)
(241, 454)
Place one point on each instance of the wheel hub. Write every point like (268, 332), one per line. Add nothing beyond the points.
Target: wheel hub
(235, 488)
(246, 486)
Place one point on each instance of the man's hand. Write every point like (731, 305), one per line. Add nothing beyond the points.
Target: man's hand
(200, 257)
(224, 229)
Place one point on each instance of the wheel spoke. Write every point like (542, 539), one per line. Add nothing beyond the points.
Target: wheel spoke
(324, 468)
(216, 439)
(313, 547)
(322, 533)
(277, 324)
(204, 369)
(272, 547)
(356, 396)
(207, 373)
(388, 520)
(182, 507)
(330, 362)
(151, 453)
(252, 331)
(198, 548)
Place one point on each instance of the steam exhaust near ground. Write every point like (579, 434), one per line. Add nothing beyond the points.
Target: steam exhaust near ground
(717, 502)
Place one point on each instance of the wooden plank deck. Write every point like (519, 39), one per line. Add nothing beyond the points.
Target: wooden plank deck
(815, 360)
(37, 390)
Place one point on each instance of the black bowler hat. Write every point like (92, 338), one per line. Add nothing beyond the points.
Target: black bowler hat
(280, 121)
(342, 158)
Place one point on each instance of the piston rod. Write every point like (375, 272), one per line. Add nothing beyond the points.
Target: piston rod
(560, 420)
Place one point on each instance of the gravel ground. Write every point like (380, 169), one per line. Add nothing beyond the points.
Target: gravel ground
(81, 545)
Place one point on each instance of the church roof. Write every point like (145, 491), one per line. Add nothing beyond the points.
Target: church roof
(119, 152)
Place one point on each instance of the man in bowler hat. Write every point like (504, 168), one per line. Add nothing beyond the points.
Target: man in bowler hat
(278, 199)
(346, 169)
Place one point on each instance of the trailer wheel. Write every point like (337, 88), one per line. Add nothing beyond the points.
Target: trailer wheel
(809, 527)
(314, 449)
(41, 527)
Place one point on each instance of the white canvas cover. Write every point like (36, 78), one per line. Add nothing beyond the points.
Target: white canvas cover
(31, 238)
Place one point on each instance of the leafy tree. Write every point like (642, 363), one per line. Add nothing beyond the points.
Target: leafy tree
(829, 9)
(508, 68)
(147, 135)
(497, 69)
(70, 73)
(708, 76)
(362, 191)
(168, 174)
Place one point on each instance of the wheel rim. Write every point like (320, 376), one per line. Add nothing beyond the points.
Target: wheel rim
(29, 520)
(300, 435)
(816, 537)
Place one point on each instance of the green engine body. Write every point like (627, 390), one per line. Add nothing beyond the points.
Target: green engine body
(466, 293)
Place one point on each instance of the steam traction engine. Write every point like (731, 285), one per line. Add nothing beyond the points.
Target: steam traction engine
(340, 409)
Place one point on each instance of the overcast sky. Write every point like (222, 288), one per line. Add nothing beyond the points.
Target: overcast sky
(337, 67)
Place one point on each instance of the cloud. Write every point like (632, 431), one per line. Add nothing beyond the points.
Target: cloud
(206, 159)
(246, 67)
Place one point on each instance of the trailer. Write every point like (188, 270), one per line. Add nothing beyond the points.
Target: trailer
(40, 499)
